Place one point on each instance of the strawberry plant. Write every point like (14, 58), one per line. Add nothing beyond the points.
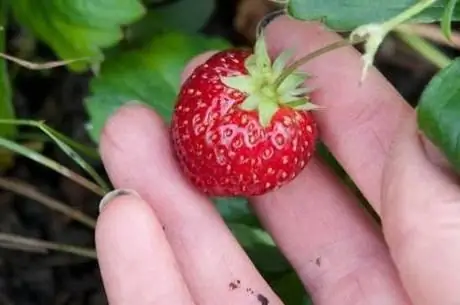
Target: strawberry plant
(243, 123)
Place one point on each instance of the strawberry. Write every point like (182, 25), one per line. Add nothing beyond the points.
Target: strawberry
(241, 125)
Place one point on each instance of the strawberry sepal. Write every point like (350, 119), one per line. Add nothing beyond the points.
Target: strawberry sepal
(263, 94)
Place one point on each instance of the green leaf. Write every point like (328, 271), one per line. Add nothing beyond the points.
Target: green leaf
(188, 16)
(290, 289)
(260, 248)
(78, 28)
(346, 16)
(149, 74)
(237, 210)
(438, 112)
(6, 102)
(447, 18)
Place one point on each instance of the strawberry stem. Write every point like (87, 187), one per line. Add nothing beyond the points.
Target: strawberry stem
(298, 63)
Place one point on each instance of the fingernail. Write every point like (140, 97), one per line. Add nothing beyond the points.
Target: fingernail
(265, 21)
(110, 196)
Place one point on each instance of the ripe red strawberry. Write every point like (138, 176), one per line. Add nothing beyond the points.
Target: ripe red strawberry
(235, 131)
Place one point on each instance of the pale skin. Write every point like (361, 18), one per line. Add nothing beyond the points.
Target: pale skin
(168, 244)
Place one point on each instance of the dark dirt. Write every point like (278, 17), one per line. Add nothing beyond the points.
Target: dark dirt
(234, 285)
(54, 278)
(262, 299)
(318, 262)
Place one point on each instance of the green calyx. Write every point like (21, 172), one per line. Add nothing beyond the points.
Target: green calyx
(265, 93)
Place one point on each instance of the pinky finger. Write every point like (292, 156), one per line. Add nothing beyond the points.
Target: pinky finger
(136, 262)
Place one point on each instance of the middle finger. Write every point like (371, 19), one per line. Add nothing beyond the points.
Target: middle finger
(333, 245)
(336, 248)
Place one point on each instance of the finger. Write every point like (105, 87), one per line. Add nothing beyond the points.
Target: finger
(421, 220)
(356, 123)
(136, 151)
(136, 262)
(198, 60)
(335, 247)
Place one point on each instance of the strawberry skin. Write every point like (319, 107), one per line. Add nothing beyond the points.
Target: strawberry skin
(225, 149)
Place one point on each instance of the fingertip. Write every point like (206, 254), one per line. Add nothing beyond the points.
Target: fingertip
(119, 222)
(115, 213)
(302, 34)
(135, 147)
(110, 196)
(134, 255)
(434, 154)
(419, 198)
(127, 112)
(120, 127)
(410, 149)
(194, 63)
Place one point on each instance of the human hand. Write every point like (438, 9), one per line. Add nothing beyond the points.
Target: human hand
(172, 247)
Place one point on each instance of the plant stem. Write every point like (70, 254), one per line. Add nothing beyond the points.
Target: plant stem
(386, 27)
(412, 11)
(40, 66)
(89, 151)
(432, 33)
(6, 103)
(295, 65)
(60, 140)
(425, 49)
(24, 151)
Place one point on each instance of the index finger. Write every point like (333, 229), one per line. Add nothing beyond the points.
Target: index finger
(134, 255)
(359, 121)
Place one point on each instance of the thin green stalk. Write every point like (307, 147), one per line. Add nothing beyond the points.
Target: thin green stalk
(59, 140)
(6, 102)
(446, 21)
(424, 48)
(89, 151)
(408, 14)
(40, 66)
(298, 63)
(86, 150)
(385, 27)
(39, 158)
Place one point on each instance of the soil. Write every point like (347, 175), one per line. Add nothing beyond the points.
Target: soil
(56, 96)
